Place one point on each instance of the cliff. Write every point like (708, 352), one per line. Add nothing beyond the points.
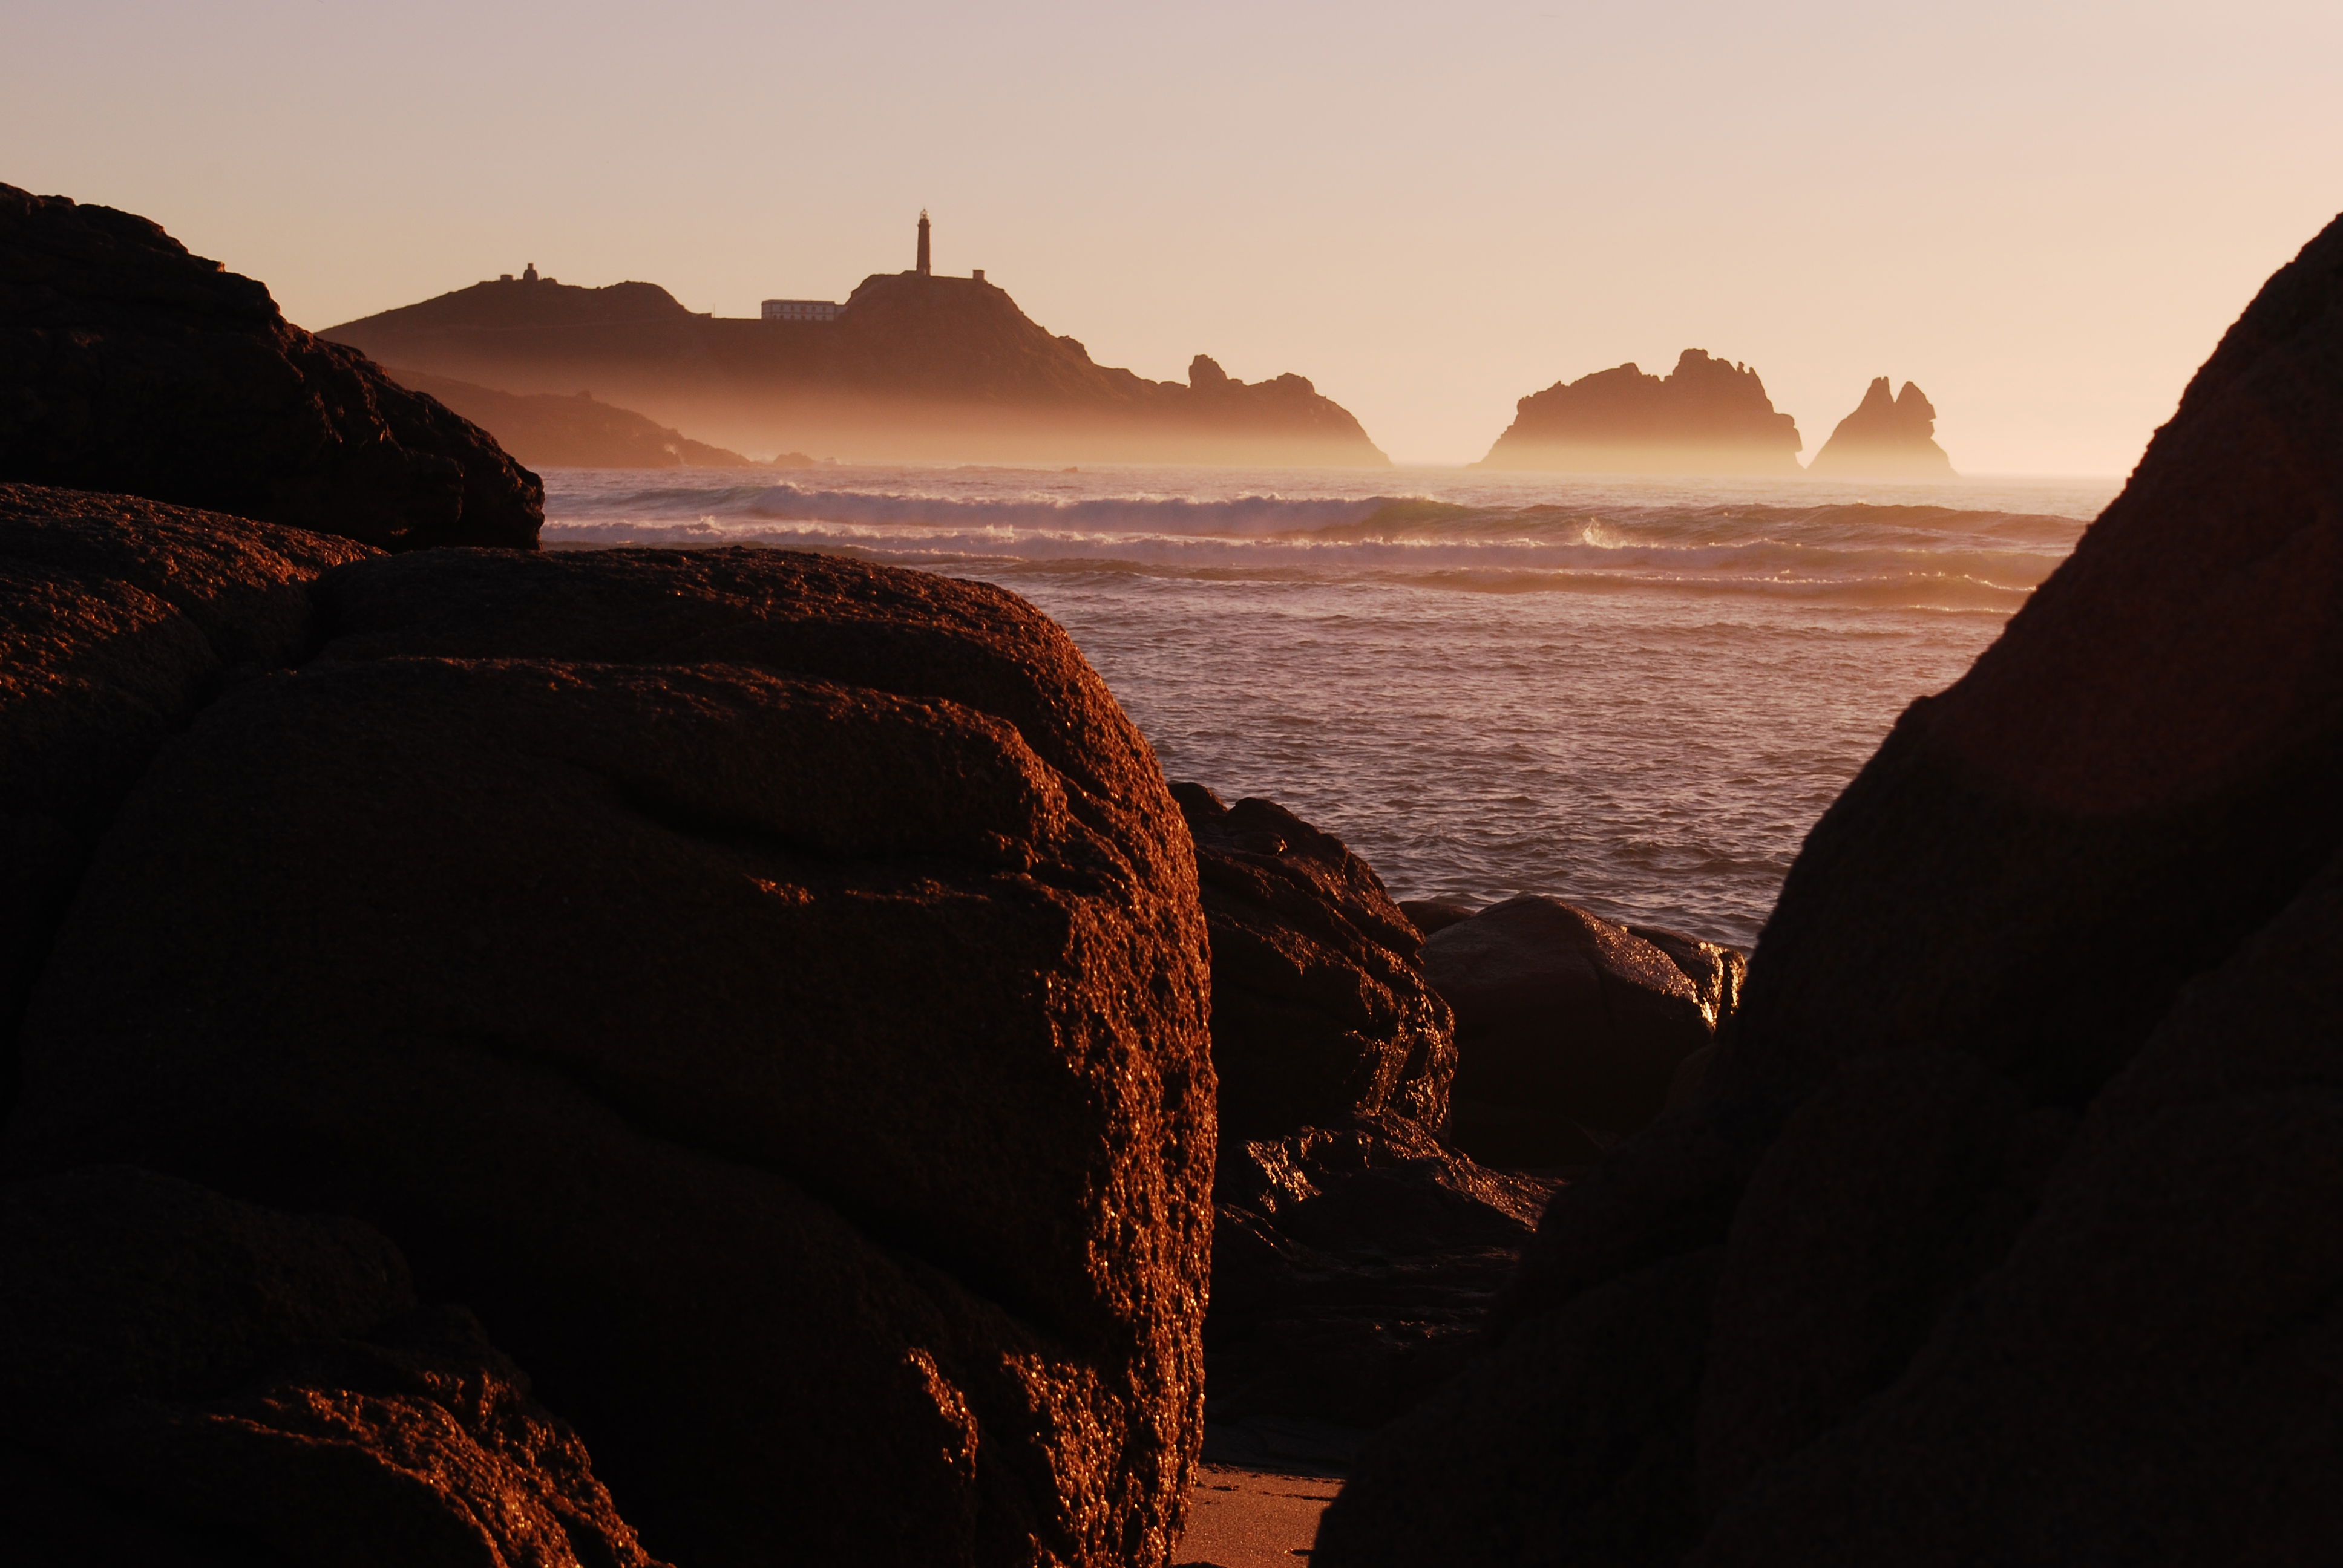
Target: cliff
(915, 367)
(548, 431)
(1705, 417)
(1886, 438)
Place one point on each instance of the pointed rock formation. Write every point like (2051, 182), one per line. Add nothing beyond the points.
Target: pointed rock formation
(1886, 438)
(1707, 416)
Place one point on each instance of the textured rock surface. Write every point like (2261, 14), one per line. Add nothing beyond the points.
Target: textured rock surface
(1705, 417)
(768, 989)
(191, 1379)
(118, 617)
(2092, 886)
(1352, 1267)
(1318, 1007)
(1890, 435)
(129, 365)
(1565, 1022)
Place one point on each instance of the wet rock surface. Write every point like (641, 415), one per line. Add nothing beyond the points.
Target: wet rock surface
(185, 1378)
(2014, 1175)
(768, 990)
(1569, 1027)
(1353, 1267)
(129, 365)
(1320, 1008)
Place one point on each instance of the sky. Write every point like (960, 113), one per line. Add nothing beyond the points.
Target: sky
(2044, 213)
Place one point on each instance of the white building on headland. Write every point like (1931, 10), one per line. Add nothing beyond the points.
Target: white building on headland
(801, 311)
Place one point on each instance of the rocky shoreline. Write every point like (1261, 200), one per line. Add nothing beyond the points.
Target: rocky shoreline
(737, 1056)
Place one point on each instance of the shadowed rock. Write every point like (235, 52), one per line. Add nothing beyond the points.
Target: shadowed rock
(129, 365)
(1352, 1267)
(185, 1378)
(1565, 1022)
(2093, 885)
(1319, 1008)
(768, 989)
(118, 618)
(1887, 437)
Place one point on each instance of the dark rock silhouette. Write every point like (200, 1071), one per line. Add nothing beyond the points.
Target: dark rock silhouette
(1705, 417)
(186, 1378)
(1565, 1023)
(118, 618)
(1355, 1253)
(915, 367)
(129, 365)
(2005, 1207)
(552, 431)
(1429, 915)
(1319, 1008)
(768, 989)
(1887, 437)
(1352, 1267)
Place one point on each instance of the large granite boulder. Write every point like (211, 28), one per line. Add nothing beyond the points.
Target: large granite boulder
(768, 989)
(1568, 1027)
(118, 618)
(128, 364)
(187, 1379)
(1320, 1010)
(2016, 1176)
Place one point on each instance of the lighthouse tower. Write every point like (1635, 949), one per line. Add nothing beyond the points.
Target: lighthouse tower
(923, 241)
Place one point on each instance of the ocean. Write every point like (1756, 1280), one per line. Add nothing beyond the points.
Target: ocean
(1635, 694)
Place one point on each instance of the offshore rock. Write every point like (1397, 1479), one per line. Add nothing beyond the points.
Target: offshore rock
(118, 618)
(2022, 1157)
(1320, 1010)
(129, 365)
(768, 989)
(185, 1378)
(1565, 1023)
(1887, 437)
(1705, 417)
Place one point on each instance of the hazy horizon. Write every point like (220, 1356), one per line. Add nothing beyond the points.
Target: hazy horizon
(2043, 215)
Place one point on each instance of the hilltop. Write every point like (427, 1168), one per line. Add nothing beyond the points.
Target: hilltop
(1707, 415)
(914, 367)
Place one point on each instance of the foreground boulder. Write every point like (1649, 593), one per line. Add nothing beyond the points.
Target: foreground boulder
(1568, 1026)
(1352, 1269)
(2005, 1229)
(189, 1379)
(129, 365)
(118, 619)
(1320, 1012)
(769, 990)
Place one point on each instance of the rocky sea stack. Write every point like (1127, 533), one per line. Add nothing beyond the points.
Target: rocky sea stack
(129, 365)
(1887, 437)
(1705, 417)
(2003, 1225)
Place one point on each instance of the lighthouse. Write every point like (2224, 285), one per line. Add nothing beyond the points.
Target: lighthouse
(923, 241)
